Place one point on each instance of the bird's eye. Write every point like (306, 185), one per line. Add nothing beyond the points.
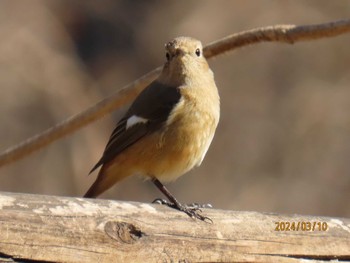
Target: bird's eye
(198, 52)
(167, 56)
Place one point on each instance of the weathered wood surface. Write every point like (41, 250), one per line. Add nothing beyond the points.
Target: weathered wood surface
(61, 229)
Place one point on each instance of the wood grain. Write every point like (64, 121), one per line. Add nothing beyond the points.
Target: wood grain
(61, 229)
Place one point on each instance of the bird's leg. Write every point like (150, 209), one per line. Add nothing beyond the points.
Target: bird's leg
(192, 211)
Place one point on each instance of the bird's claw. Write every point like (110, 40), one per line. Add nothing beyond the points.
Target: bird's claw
(161, 201)
(192, 210)
(196, 205)
(195, 212)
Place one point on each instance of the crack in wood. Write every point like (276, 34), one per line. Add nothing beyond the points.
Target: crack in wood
(339, 258)
(52, 246)
(22, 260)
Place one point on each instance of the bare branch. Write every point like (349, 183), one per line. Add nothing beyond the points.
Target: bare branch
(74, 123)
(280, 33)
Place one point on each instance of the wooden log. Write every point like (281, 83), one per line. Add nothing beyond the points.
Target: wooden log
(37, 228)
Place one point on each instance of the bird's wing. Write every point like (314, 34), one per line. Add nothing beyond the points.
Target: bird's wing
(147, 114)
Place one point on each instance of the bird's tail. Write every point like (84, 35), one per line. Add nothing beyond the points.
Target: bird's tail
(99, 186)
(106, 179)
(92, 192)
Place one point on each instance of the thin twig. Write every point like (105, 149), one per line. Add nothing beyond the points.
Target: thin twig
(280, 33)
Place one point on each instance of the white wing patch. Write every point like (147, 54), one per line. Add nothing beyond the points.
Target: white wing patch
(134, 120)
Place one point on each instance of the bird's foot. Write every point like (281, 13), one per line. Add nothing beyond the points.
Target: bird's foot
(192, 210)
(199, 206)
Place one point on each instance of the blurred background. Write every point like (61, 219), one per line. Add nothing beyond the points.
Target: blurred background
(283, 142)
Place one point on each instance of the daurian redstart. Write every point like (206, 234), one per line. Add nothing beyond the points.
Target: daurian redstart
(168, 128)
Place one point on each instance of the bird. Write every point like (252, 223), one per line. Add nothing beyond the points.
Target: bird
(168, 128)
